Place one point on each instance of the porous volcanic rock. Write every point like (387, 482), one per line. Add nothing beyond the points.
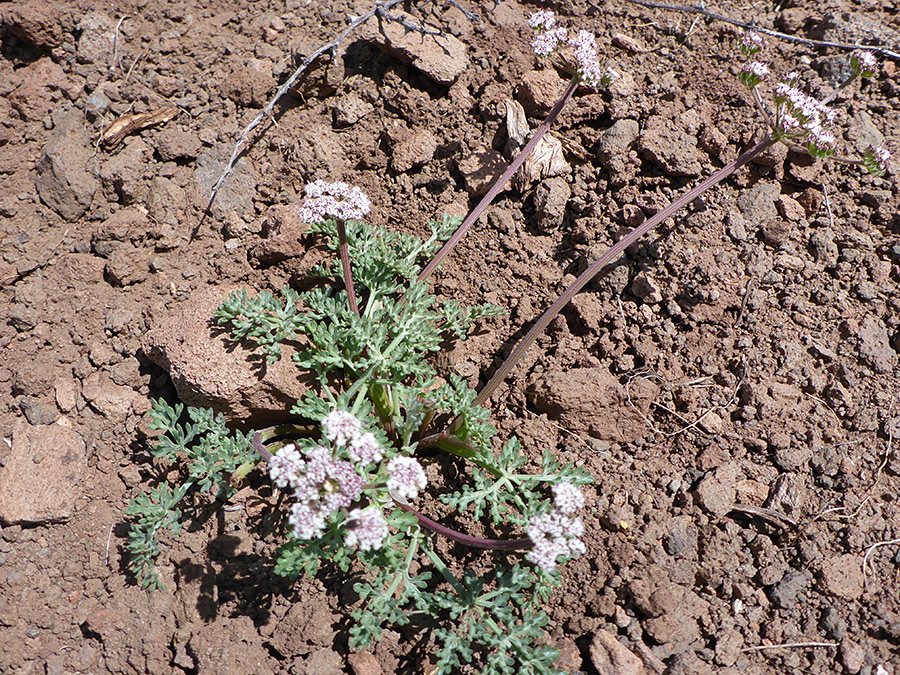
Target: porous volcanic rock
(209, 370)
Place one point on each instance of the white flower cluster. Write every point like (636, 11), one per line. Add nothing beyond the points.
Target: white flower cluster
(877, 159)
(549, 39)
(802, 116)
(343, 428)
(753, 73)
(863, 62)
(405, 477)
(322, 484)
(366, 528)
(333, 200)
(751, 43)
(557, 534)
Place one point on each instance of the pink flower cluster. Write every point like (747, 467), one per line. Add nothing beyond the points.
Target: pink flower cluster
(405, 477)
(333, 200)
(753, 73)
(366, 528)
(863, 62)
(549, 39)
(877, 159)
(321, 486)
(557, 534)
(343, 428)
(800, 115)
(751, 43)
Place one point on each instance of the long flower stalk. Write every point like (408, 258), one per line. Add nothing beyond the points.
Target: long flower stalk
(595, 267)
(500, 182)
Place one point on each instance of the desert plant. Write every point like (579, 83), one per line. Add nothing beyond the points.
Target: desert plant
(378, 409)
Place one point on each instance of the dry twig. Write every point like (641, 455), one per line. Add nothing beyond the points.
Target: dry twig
(690, 9)
(872, 549)
(790, 645)
(380, 8)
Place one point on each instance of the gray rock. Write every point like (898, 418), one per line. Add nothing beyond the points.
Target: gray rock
(97, 38)
(441, 58)
(236, 193)
(821, 242)
(550, 199)
(617, 139)
(65, 175)
(875, 347)
(757, 204)
(39, 483)
(785, 592)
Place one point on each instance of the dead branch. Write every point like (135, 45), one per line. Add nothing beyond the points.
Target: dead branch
(690, 9)
(380, 8)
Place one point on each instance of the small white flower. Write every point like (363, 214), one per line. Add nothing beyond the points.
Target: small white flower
(366, 528)
(365, 449)
(341, 427)
(405, 477)
(567, 498)
(542, 20)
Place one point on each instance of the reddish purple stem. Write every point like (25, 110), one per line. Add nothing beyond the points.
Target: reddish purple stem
(500, 182)
(468, 540)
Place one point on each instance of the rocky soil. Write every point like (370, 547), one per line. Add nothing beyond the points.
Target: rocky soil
(732, 382)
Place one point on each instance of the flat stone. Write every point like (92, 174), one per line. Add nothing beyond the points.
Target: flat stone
(592, 400)
(670, 146)
(39, 483)
(842, 576)
(110, 399)
(480, 168)
(65, 176)
(209, 370)
(441, 58)
(611, 657)
(414, 151)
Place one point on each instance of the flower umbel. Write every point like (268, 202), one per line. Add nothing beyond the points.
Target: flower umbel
(405, 477)
(567, 498)
(333, 200)
(588, 66)
(555, 535)
(877, 160)
(365, 528)
(863, 63)
(753, 73)
(751, 43)
(341, 427)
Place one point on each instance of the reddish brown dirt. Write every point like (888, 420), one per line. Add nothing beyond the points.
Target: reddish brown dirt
(754, 340)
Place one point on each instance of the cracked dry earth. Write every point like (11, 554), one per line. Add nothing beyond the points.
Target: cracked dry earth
(731, 382)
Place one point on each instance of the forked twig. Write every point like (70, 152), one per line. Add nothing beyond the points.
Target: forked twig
(380, 7)
(690, 9)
